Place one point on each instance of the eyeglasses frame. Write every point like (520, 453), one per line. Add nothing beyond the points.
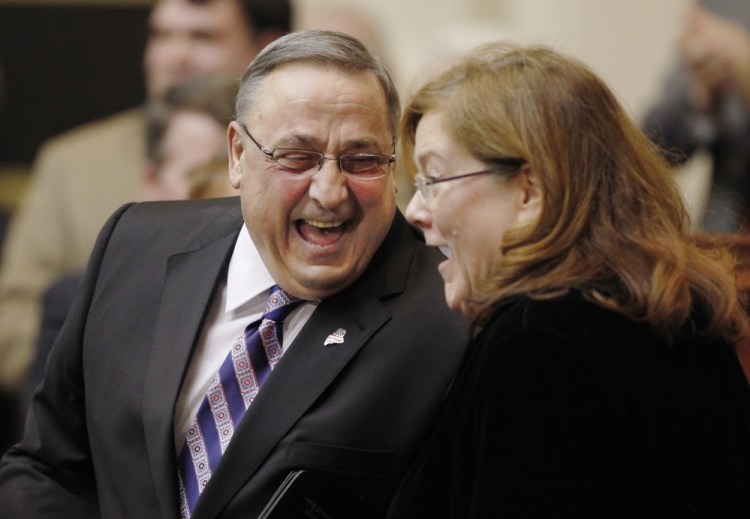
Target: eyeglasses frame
(504, 165)
(270, 152)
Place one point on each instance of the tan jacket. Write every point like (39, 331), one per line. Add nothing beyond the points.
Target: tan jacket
(78, 180)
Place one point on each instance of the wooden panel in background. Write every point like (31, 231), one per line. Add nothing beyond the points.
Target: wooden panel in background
(65, 65)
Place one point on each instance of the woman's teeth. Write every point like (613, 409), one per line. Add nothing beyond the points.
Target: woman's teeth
(447, 252)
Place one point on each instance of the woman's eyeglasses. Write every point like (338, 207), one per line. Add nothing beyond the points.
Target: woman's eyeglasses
(502, 165)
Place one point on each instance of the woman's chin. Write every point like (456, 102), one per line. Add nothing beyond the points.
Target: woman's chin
(452, 298)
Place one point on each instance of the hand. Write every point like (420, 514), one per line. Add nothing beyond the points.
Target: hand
(716, 52)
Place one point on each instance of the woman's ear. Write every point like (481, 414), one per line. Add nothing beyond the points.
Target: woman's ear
(236, 150)
(531, 205)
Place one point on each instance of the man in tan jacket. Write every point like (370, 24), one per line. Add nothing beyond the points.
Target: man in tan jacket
(81, 177)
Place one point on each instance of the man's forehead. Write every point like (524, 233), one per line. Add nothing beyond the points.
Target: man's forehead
(312, 72)
(330, 86)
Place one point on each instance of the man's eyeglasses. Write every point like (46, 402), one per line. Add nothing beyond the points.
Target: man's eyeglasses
(364, 166)
(502, 165)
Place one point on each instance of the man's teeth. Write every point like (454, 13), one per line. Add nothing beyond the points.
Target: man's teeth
(447, 252)
(323, 225)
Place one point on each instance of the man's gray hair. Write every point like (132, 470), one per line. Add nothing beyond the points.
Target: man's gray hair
(328, 48)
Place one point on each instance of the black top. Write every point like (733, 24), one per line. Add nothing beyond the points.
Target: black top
(562, 405)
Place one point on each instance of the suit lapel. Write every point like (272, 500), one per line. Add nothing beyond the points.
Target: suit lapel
(189, 287)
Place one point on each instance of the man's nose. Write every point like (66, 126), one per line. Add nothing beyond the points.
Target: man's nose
(328, 185)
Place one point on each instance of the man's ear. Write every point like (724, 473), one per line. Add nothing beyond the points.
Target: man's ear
(531, 204)
(236, 150)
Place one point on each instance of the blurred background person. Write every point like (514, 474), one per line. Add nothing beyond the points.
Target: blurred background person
(186, 159)
(209, 180)
(7, 401)
(186, 139)
(4, 211)
(601, 379)
(81, 177)
(705, 106)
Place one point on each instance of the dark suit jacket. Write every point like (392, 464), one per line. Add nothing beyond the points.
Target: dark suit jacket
(99, 440)
(566, 409)
(56, 303)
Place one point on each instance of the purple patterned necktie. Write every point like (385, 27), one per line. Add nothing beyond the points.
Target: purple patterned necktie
(230, 393)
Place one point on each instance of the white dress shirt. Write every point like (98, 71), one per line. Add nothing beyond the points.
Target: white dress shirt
(240, 300)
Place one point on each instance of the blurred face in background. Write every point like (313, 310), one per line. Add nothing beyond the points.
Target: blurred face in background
(189, 39)
(191, 141)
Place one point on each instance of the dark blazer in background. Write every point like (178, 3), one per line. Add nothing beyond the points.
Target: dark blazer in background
(566, 409)
(99, 441)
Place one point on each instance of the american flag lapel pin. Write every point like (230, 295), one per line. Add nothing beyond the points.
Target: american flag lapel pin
(336, 337)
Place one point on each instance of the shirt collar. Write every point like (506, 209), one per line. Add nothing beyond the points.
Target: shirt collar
(247, 276)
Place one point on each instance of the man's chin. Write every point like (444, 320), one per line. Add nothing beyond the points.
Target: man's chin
(323, 284)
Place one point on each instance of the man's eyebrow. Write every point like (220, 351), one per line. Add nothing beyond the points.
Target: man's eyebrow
(306, 141)
(362, 144)
(297, 140)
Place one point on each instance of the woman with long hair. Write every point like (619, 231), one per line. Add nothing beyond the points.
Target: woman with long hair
(601, 376)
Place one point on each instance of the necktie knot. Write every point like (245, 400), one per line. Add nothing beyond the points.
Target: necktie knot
(279, 305)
